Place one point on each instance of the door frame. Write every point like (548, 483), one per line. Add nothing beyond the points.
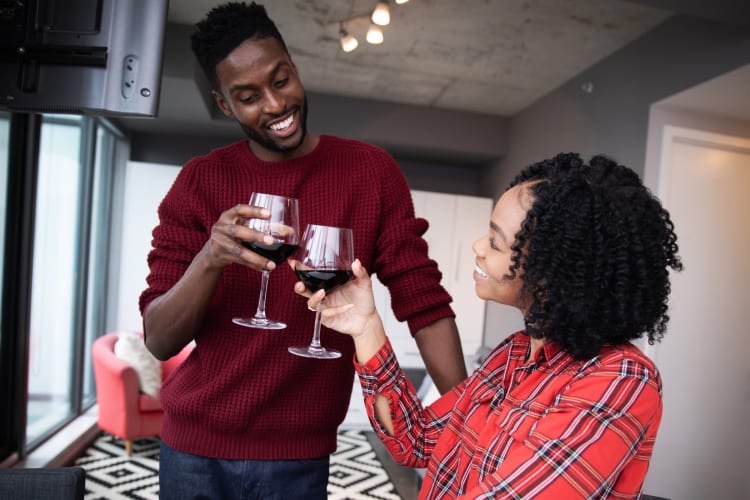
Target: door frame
(672, 134)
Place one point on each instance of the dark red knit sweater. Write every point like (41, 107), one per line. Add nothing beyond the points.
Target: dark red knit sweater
(241, 394)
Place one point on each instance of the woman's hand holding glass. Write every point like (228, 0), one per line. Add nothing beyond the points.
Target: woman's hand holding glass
(350, 309)
(323, 263)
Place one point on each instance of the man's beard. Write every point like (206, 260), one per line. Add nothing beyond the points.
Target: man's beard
(269, 144)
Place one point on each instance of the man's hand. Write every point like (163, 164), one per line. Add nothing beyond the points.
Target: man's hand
(230, 234)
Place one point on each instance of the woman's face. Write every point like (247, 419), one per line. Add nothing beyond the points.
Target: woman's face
(493, 250)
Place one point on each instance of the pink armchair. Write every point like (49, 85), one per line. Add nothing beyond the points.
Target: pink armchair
(124, 411)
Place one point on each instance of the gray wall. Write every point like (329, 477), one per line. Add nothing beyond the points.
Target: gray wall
(613, 119)
(438, 150)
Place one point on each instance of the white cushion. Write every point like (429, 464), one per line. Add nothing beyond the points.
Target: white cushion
(131, 348)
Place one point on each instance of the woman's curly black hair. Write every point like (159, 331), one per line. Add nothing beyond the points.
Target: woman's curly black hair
(224, 28)
(595, 251)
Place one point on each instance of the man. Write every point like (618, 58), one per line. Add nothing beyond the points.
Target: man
(243, 417)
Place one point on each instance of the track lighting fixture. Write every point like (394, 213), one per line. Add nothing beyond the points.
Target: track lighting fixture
(380, 16)
(348, 42)
(374, 34)
(382, 13)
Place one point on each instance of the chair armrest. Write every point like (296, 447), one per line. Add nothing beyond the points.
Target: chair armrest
(117, 390)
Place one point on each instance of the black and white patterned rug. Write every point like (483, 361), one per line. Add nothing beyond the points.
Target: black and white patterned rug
(355, 472)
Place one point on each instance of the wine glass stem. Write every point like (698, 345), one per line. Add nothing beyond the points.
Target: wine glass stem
(315, 344)
(261, 312)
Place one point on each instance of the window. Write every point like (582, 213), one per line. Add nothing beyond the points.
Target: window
(69, 274)
(4, 141)
(57, 179)
(57, 237)
(98, 251)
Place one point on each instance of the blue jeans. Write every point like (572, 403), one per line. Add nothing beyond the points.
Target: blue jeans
(183, 476)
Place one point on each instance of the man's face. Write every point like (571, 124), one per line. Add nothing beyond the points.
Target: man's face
(260, 88)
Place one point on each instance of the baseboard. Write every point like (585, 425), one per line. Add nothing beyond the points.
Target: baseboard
(62, 449)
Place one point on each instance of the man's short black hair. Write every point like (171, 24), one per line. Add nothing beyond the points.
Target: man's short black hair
(224, 28)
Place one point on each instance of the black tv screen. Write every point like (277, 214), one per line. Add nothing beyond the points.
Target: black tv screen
(91, 57)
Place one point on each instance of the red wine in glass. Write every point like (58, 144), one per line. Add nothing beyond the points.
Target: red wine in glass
(278, 251)
(327, 280)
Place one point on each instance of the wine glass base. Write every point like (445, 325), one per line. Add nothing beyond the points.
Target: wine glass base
(315, 352)
(262, 324)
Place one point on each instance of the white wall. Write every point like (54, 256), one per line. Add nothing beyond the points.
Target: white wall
(145, 186)
(704, 436)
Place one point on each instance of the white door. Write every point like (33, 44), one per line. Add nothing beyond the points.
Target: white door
(702, 445)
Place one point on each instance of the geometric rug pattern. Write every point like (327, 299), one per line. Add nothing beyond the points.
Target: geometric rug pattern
(111, 475)
(355, 471)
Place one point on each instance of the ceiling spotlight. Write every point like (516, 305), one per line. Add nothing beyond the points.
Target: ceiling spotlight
(374, 34)
(348, 42)
(382, 14)
(401, 1)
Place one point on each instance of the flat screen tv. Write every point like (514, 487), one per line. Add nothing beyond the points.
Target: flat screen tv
(88, 57)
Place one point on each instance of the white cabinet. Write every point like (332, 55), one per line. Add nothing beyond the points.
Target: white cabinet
(456, 221)
(356, 415)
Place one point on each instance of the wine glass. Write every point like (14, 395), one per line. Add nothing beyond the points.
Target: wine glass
(325, 261)
(283, 225)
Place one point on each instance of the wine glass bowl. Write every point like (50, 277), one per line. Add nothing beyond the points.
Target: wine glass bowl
(324, 262)
(315, 279)
(283, 226)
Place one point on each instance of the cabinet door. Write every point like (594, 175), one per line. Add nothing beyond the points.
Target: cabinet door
(356, 415)
(455, 223)
(439, 210)
(398, 332)
(472, 222)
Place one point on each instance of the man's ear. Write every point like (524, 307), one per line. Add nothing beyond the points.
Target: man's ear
(222, 103)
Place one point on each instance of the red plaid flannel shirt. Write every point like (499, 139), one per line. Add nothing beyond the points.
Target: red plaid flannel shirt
(552, 428)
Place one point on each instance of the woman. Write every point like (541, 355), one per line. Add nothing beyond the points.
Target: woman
(567, 407)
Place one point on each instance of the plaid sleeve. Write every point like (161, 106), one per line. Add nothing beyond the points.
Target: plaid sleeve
(416, 429)
(593, 442)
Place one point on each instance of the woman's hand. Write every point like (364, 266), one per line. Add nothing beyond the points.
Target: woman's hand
(350, 308)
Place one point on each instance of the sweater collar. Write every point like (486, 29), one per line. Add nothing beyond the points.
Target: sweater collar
(305, 160)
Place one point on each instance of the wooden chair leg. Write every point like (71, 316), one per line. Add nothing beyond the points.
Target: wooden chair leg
(128, 447)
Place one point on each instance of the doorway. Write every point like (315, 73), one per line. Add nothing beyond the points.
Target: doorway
(700, 451)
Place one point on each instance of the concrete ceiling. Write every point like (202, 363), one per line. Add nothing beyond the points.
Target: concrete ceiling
(487, 56)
